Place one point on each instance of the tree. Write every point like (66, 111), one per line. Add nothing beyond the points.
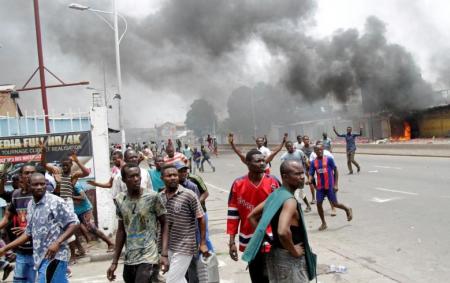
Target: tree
(201, 118)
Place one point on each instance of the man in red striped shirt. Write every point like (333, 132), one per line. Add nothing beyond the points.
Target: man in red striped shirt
(246, 193)
(326, 183)
(173, 157)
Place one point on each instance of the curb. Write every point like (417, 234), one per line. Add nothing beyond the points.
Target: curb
(227, 151)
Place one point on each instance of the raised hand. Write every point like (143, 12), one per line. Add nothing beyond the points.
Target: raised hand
(230, 138)
(74, 156)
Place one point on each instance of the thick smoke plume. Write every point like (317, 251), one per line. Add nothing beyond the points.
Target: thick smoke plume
(194, 48)
(386, 74)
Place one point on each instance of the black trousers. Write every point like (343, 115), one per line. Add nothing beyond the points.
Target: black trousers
(258, 270)
(139, 273)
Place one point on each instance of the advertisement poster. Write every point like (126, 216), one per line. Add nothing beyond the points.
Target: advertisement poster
(18, 150)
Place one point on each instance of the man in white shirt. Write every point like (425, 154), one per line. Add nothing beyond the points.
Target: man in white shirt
(298, 145)
(264, 150)
(261, 148)
(117, 185)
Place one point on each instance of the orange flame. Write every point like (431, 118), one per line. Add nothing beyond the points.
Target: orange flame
(406, 133)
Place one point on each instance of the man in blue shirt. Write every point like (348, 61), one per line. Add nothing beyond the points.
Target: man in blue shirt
(155, 174)
(350, 140)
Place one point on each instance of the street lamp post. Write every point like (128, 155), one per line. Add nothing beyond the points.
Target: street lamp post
(117, 41)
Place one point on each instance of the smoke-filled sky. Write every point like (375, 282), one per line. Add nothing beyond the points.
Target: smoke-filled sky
(179, 50)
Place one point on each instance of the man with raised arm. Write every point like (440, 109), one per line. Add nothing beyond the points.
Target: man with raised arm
(350, 140)
(268, 155)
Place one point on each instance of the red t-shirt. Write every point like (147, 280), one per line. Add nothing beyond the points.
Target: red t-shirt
(244, 197)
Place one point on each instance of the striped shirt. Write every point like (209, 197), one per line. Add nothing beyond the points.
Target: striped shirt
(244, 197)
(177, 157)
(183, 209)
(66, 187)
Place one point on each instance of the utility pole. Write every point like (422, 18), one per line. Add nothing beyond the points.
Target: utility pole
(37, 23)
(119, 74)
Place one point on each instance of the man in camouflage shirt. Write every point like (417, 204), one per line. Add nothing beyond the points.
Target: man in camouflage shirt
(138, 210)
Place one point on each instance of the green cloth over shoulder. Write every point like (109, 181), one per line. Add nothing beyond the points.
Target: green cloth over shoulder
(273, 203)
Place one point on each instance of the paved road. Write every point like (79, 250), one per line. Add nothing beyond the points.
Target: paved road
(400, 231)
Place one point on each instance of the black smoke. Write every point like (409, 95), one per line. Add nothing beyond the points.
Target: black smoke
(385, 74)
(193, 48)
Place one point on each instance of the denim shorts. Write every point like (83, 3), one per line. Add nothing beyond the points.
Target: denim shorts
(282, 267)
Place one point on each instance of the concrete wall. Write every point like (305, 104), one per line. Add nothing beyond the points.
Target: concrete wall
(105, 206)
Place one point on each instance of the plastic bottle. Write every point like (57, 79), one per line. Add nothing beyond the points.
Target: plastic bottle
(212, 264)
(338, 269)
(341, 269)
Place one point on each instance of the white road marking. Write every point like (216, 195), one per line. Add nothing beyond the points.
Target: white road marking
(388, 167)
(397, 191)
(382, 200)
(373, 171)
(217, 188)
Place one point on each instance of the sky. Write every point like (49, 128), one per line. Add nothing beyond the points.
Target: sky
(169, 84)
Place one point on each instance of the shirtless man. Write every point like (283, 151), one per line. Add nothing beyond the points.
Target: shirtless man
(288, 243)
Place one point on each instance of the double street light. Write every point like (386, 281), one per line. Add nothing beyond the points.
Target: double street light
(117, 41)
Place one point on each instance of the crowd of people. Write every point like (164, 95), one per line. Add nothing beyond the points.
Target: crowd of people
(266, 214)
(162, 218)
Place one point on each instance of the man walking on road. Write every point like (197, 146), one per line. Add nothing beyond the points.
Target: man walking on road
(326, 184)
(246, 193)
(187, 151)
(155, 174)
(282, 213)
(326, 142)
(297, 155)
(16, 214)
(138, 210)
(308, 150)
(350, 140)
(50, 224)
(205, 158)
(184, 213)
(173, 157)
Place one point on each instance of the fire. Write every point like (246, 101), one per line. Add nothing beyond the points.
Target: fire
(406, 133)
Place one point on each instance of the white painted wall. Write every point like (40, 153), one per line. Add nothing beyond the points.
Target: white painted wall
(100, 147)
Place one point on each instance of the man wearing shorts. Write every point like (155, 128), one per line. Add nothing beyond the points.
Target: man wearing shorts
(326, 174)
(83, 209)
